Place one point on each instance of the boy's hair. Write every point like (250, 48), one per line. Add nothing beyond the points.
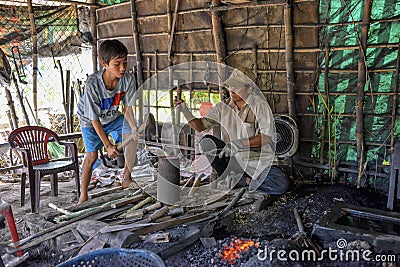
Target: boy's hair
(110, 49)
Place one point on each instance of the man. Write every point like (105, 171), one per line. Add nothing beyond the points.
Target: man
(247, 126)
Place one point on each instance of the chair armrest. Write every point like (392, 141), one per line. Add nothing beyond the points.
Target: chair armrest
(72, 147)
(26, 154)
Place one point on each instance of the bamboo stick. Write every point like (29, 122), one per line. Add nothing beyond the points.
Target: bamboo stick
(345, 115)
(156, 86)
(346, 142)
(93, 32)
(67, 103)
(362, 73)
(10, 104)
(20, 99)
(251, 26)
(139, 65)
(149, 83)
(255, 68)
(312, 71)
(171, 31)
(267, 50)
(326, 99)
(219, 43)
(394, 105)
(289, 60)
(34, 56)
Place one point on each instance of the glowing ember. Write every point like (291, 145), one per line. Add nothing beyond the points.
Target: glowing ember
(231, 252)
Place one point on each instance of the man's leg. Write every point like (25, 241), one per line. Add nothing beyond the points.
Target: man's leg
(211, 146)
(88, 162)
(275, 181)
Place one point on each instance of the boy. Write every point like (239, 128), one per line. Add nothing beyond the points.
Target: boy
(99, 115)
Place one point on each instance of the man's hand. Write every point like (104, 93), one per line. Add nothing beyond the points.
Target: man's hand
(112, 151)
(181, 107)
(231, 149)
(180, 103)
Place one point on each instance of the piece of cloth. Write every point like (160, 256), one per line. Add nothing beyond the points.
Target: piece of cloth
(272, 180)
(98, 103)
(116, 128)
(255, 117)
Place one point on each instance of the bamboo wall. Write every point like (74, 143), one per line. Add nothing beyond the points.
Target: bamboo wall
(282, 44)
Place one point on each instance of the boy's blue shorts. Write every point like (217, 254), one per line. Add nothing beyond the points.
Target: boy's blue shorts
(116, 128)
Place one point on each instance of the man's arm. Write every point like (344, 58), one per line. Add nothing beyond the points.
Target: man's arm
(256, 141)
(194, 123)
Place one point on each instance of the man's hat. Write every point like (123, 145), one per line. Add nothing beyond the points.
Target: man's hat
(238, 78)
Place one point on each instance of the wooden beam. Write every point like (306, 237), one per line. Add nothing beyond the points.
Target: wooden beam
(34, 56)
(289, 60)
(139, 65)
(93, 31)
(220, 45)
(362, 76)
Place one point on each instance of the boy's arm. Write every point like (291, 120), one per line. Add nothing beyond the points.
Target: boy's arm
(111, 149)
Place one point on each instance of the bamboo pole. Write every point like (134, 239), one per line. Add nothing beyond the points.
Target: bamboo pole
(171, 31)
(255, 68)
(289, 60)
(219, 43)
(93, 31)
(149, 83)
(394, 105)
(34, 56)
(266, 50)
(362, 73)
(326, 100)
(13, 114)
(67, 103)
(21, 100)
(312, 71)
(156, 86)
(139, 65)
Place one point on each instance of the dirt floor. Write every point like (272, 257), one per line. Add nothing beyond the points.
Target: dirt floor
(272, 227)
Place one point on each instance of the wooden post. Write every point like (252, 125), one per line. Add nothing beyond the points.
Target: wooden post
(362, 73)
(93, 31)
(149, 83)
(394, 105)
(289, 60)
(255, 59)
(34, 56)
(170, 24)
(219, 42)
(21, 100)
(139, 65)
(156, 86)
(67, 101)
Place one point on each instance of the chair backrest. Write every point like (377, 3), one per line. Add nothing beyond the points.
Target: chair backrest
(34, 138)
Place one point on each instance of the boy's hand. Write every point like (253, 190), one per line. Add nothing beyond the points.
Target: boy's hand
(112, 151)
